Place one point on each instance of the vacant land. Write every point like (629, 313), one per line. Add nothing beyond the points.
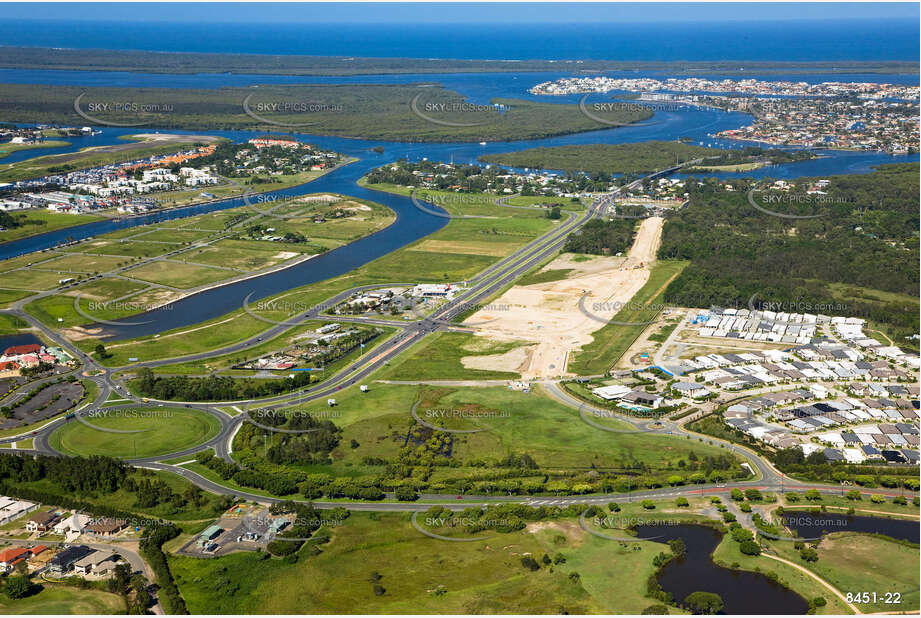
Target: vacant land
(159, 431)
(178, 275)
(441, 356)
(550, 313)
(613, 339)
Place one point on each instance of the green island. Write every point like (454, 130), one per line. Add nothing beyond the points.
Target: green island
(632, 159)
(425, 113)
(7, 148)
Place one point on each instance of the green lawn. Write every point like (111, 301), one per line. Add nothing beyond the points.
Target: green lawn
(611, 341)
(11, 324)
(165, 430)
(63, 600)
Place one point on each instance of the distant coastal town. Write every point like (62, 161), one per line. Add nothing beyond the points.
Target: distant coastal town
(839, 115)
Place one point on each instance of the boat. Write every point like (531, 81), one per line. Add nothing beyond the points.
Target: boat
(482, 143)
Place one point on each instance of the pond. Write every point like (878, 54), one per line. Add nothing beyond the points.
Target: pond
(743, 592)
(813, 525)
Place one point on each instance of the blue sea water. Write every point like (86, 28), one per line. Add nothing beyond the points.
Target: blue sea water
(826, 40)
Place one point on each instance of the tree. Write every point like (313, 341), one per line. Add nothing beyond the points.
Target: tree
(853, 494)
(704, 602)
(101, 351)
(530, 563)
(656, 610)
(682, 501)
(648, 504)
(737, 495)
(406, 494)
(809, 554)
(18, 586)
(614, 507)
(812, 494)
(750, 548)
(678, 547)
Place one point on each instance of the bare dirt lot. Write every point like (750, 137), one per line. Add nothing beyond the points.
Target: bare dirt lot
(549, 313)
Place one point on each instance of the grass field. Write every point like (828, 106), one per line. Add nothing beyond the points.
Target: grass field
(179, 275)
(417, 573)
(83, 263)
(127, 248)
(854, 562)
(63, 600)
(31, 279)
(164, 430)
(513, 422)
(611, 341)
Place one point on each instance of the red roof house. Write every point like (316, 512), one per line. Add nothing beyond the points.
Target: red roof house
(13, 554)
(29, 348)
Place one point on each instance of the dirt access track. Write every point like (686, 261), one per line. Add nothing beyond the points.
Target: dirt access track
(549, 315)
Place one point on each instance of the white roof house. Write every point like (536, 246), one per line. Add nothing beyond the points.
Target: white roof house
(614, 391)
(75, 523)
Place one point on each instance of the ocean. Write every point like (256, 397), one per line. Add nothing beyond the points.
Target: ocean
(827, 40)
